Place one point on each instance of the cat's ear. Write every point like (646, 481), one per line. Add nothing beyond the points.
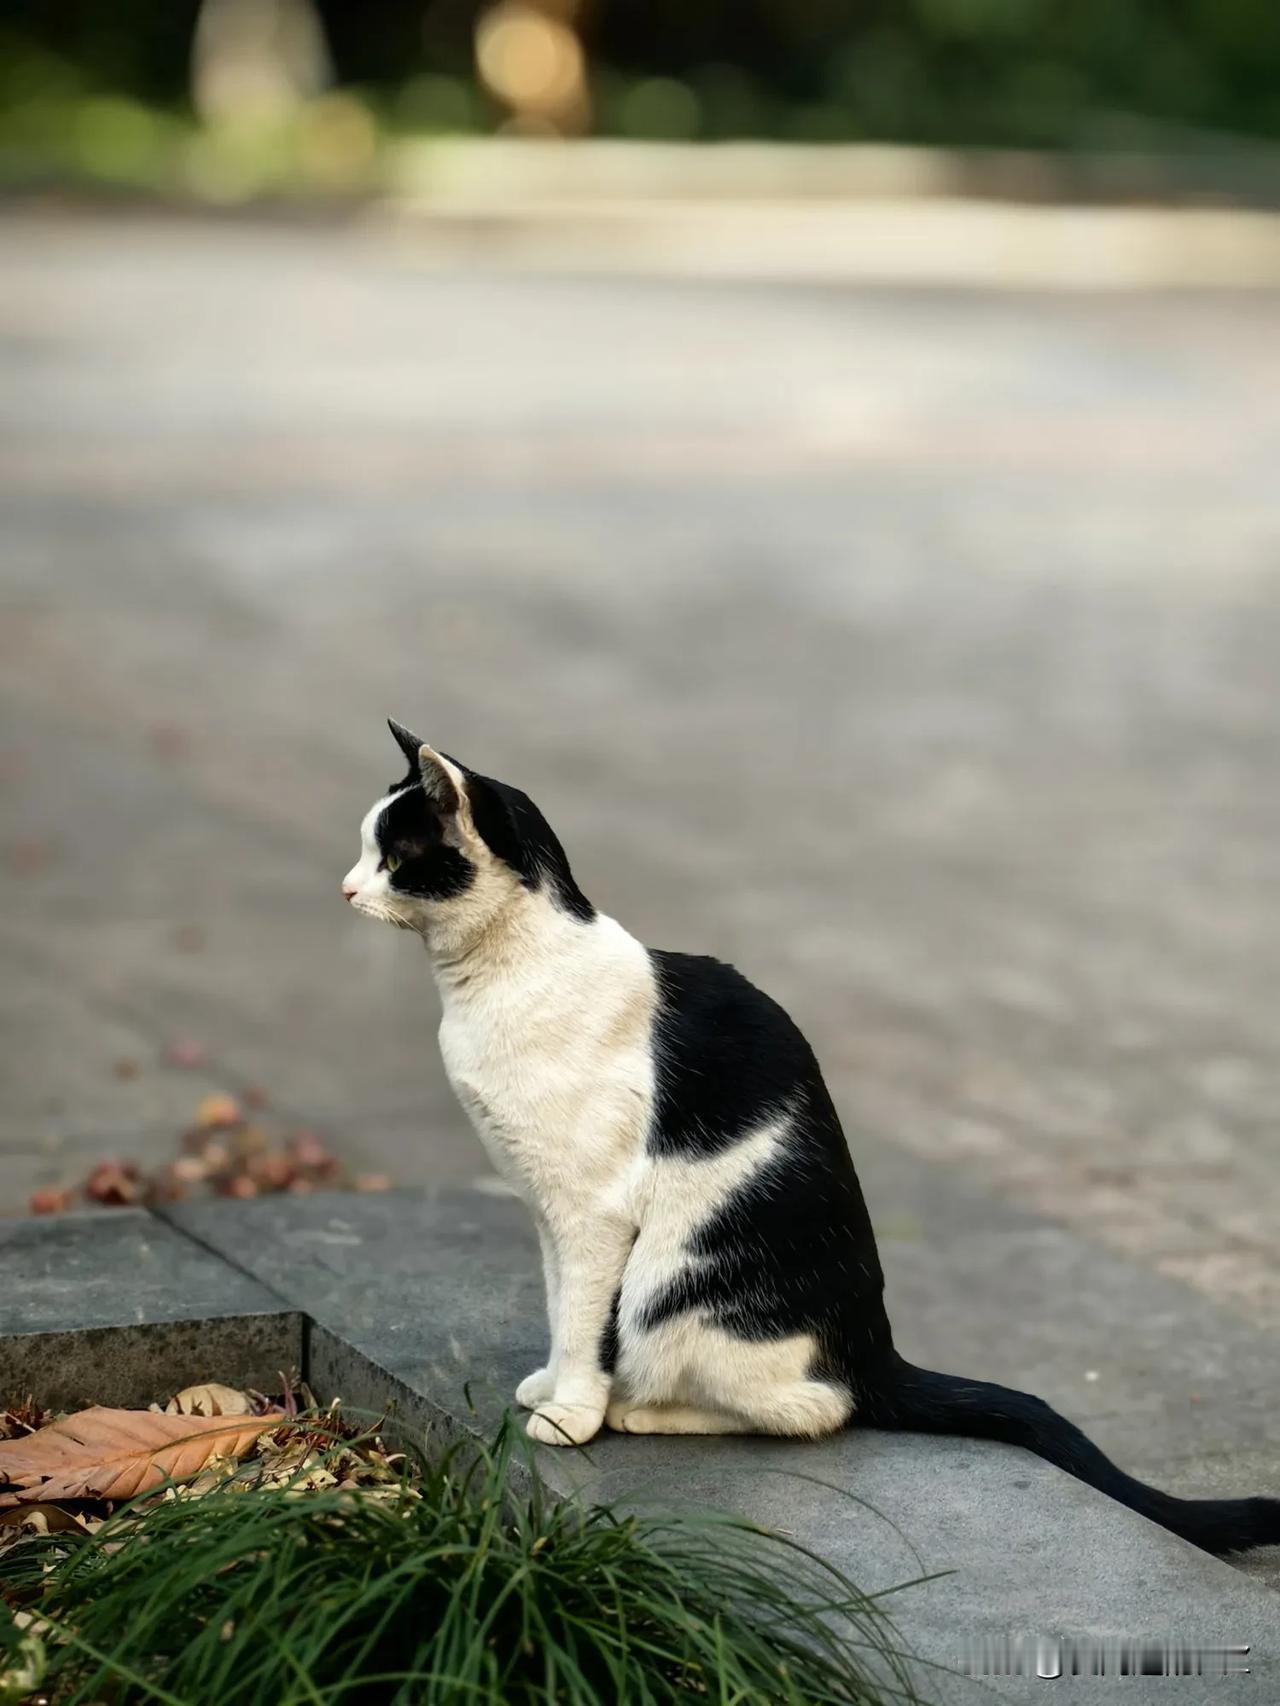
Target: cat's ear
(406, 740)
(442, 782)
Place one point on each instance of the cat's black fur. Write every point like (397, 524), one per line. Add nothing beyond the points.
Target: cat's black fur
(792, 1251)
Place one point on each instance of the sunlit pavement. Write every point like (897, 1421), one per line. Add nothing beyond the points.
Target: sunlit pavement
(916, 651)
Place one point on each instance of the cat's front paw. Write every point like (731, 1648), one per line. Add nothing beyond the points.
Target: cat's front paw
(565, 1424)
(535, 1388)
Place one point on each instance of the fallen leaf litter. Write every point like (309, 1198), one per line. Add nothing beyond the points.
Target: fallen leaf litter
(231, 1149)
(64, 1473)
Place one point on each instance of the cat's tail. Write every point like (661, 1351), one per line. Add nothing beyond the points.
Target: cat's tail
(915, 1400)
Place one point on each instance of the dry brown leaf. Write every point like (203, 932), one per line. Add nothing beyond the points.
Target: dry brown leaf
(216, 1112)
(187, 1053)
(210, 1399)
(42, 1519)
(51, 1199)
(22, 1418)
(117, 1184)
(114, 1454)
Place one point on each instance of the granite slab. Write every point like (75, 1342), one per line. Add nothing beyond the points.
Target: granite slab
(119, 1308)
(434, 1303)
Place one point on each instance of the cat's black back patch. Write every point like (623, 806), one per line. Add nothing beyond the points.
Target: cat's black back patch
(410, 831)
(792, 1250)
(727, 1055)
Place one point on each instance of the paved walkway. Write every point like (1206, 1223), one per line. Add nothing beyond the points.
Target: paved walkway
(129, 1307)
(917, 652)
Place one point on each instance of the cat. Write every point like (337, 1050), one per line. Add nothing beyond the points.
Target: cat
(709, 1261)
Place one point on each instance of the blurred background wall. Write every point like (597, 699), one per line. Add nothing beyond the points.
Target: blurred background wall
(220, 97)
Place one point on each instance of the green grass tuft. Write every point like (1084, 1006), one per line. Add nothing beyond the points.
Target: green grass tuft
(464, 1583)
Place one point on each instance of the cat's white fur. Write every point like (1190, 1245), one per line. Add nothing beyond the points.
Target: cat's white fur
(547, 1039)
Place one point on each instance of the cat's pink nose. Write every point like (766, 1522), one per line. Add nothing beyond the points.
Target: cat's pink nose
(349, 890)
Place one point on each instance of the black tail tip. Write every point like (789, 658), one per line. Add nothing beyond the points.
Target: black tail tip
(1225, 1526)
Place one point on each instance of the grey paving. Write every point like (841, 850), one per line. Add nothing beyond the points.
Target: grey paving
(915, 651)
(120, 1309)
(435, 1305)
(1164, 1379)
(1176, 1389)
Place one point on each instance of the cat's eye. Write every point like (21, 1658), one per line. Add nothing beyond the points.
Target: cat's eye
(392, 861)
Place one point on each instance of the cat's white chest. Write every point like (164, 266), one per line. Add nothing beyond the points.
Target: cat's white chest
(504, 1089)
(554, 1067)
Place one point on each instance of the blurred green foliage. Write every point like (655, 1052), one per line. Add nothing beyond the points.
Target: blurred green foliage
(1056, 73)
(102, 86)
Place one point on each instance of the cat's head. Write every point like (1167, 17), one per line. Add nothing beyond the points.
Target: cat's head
(446, 850)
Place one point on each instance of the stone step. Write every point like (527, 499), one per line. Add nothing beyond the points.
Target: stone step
(435, 1301)
(116, 1308)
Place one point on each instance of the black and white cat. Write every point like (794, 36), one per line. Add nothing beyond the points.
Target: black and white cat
(710, 1265)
